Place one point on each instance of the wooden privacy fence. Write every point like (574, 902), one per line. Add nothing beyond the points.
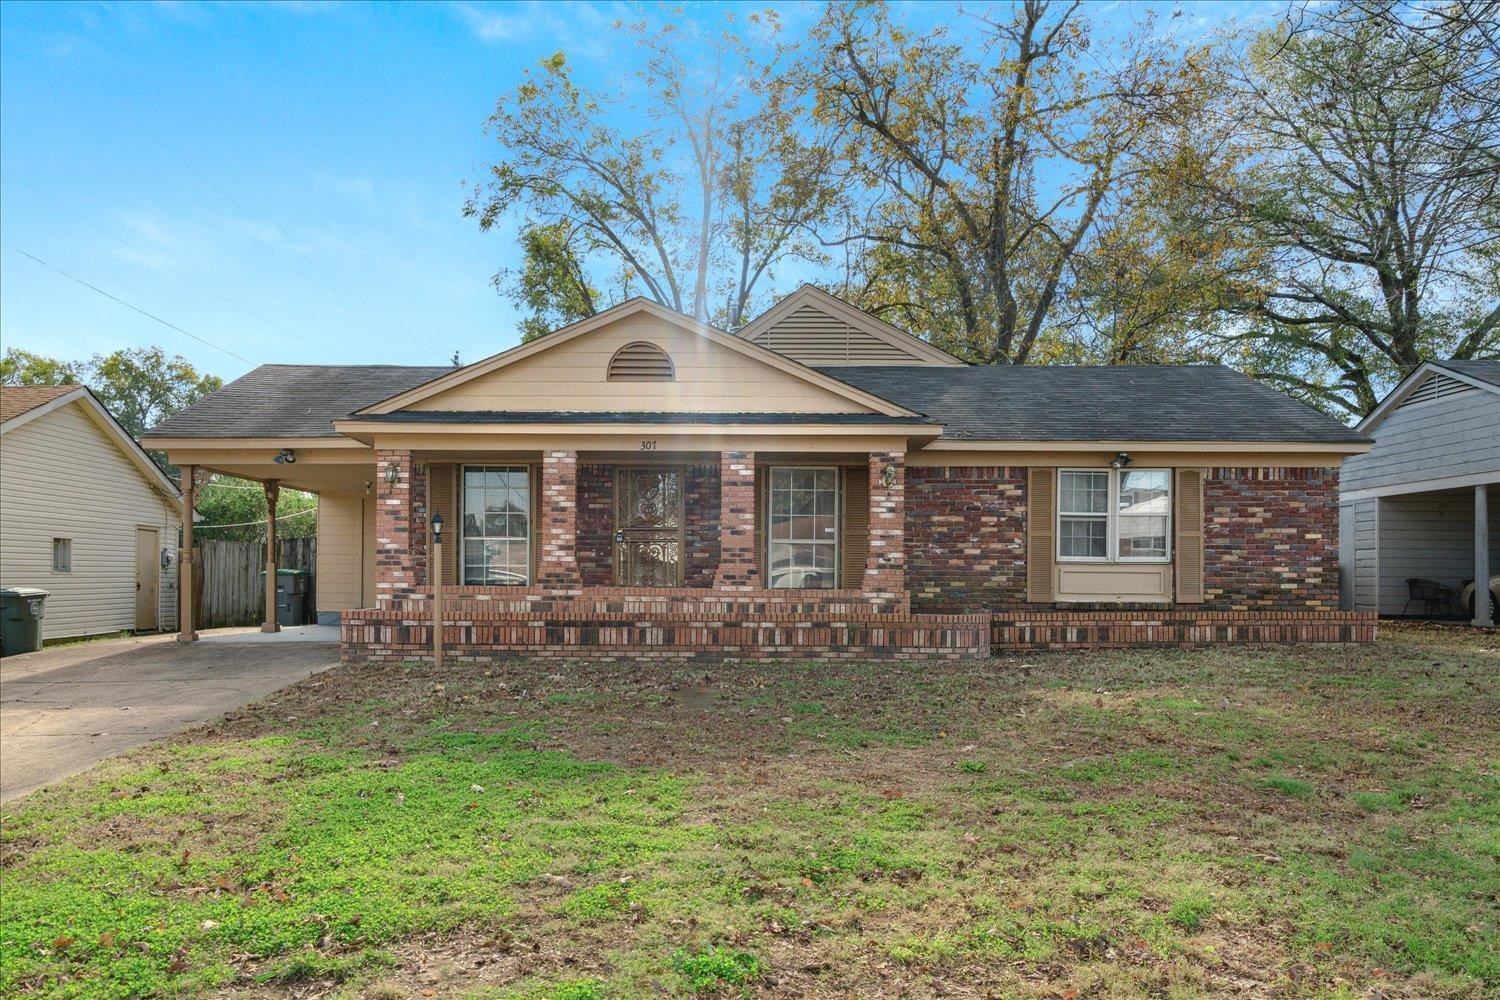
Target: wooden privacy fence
(230, 585)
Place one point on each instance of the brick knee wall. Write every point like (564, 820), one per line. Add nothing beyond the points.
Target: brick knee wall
(965, 538)
(1270, 539)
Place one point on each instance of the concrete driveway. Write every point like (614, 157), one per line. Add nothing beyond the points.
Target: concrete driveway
(62, 710)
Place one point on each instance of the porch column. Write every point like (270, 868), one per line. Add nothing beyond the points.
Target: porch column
(185, 630)
(885, 565)
(737, 564)
(395, 567)
(557, 558)
(273, 491)
(1483, 616)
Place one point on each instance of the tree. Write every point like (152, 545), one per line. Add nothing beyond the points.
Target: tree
(993, 165)
(20, 367)
(1381, 242)
(236, 509)
(688, 186)
(142, 386)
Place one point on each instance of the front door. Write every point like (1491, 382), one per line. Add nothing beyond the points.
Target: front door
(648, 527)
(147, 578)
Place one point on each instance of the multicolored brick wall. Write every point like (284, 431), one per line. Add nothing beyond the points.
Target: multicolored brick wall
(1179, 628)
(965, 537)
(596, 524)
(1270, 539)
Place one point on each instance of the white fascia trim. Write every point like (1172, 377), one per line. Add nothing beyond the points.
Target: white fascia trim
(1422, 486)
(977, 444)
(1409, 385)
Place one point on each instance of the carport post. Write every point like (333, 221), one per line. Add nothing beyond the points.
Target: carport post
(185, 624)
(273, 492)
(1483, 616)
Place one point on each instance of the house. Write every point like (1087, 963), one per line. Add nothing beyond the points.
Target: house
(85, 514)
(1420, 504)
(820, 484)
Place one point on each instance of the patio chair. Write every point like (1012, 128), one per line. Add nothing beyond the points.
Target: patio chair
(1433, 597)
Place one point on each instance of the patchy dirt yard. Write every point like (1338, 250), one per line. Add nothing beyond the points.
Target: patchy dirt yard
(1256, 823)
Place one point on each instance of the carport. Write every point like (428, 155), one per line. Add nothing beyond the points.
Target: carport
(1418, 513)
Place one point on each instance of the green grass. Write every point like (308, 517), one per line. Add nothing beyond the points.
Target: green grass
(1104, 823)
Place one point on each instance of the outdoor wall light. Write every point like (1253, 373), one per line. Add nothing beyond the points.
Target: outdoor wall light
(285, 456)
(437, 528)
(888, 477)
(392, 474)
(1119, 461)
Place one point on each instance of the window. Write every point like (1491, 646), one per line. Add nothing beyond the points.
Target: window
(62, 555)
(497, 524)
(1114, 515)
(803, 521)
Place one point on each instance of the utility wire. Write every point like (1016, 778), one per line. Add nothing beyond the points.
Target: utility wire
(157, 260)
(243, 210)
(127, 305)
(251, 524)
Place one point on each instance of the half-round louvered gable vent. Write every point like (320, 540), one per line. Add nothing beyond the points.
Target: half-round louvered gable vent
(641, 362)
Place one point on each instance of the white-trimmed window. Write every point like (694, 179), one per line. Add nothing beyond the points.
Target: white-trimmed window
(1114, 515)
(497, 525)
(802, 521)
(62, 555)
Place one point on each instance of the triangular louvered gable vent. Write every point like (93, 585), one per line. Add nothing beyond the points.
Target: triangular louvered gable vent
(1437, 387)
(641, 362)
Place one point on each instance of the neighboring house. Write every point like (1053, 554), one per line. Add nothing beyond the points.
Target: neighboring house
(1422, 505)
(821, 484)
(85, 514)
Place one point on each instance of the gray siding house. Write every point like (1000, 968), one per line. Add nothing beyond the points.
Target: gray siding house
(1420, 504)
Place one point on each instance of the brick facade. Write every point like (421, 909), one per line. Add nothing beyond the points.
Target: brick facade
(395, 554)
(1181, 628)
(965, 538)
(738, 569)
(1270, 539)
(557, 560)
(700, 529)
(885, 566)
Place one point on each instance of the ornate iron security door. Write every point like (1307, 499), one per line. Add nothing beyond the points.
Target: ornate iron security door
(648, 527)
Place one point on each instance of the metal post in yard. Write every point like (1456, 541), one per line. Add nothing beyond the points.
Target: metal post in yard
(273, 493)
(186, 625)
(437, 590)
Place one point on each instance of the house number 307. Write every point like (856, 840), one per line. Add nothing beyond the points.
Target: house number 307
(648, 446)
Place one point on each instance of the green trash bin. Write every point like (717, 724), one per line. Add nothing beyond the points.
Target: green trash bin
(21, 613)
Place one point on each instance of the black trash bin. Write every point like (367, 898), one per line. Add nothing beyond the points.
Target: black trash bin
(21, 612)
(291, 596)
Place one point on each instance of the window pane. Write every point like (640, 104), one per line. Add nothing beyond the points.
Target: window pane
(1145, 492)
(1083, 538)
(1143, 537)
(496, 524)
(1083, 492)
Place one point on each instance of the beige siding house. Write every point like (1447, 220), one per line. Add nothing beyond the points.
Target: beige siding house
(85, 514)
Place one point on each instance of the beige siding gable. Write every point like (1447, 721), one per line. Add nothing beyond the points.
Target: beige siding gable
(815, 328)
(709, 378)
(63, 476)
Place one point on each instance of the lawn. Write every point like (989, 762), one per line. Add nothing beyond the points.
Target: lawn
(1256, 822)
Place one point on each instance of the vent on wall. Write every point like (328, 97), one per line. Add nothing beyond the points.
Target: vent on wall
(1437, 387)
(641, 362)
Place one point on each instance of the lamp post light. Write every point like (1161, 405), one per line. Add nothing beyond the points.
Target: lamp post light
(437, 590)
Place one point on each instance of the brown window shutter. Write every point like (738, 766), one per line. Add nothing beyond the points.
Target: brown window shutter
(855, 543)
(442, 498)
(1041, 533)
(1188, 546)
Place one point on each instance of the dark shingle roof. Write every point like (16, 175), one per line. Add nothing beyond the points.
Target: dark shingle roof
(630, 417)
(292, 400)
(1485, 371)
(1123, 403)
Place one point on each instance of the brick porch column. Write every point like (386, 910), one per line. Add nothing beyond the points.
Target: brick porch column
(737, 564)
(395, 564)
(557, 557)
(885, 565)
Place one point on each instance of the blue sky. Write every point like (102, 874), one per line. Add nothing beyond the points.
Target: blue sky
(341, 135)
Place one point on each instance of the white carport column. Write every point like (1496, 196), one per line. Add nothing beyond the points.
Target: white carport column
(1483, 615)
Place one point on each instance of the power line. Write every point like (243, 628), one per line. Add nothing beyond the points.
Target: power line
(127, 305)
(243, 210)
(157, 260)
(251, 524)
